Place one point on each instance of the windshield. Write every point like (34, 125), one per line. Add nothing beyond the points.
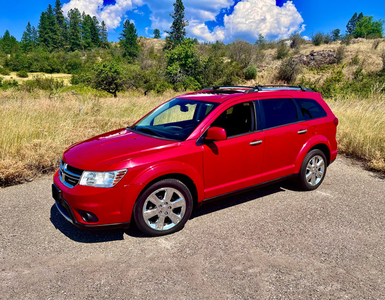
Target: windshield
(175, 119)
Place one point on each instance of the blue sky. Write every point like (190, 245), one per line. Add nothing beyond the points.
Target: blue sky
(212, 20)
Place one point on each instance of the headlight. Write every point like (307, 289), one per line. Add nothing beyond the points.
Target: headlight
(102, 179)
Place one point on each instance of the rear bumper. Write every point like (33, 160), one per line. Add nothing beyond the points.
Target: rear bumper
(333, 156)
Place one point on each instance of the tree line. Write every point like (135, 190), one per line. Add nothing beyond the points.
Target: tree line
(78, 45)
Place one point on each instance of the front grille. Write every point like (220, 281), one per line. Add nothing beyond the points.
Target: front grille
(69, 176)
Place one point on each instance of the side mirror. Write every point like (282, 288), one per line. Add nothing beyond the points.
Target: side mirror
(216, 134)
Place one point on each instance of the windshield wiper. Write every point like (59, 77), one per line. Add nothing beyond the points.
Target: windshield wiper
(150, 131)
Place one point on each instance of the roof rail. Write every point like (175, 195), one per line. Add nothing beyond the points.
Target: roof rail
(217, 87)
(300, 87)
(258, 88)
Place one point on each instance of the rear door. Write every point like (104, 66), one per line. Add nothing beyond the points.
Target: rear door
(285, 135)
(234, 163)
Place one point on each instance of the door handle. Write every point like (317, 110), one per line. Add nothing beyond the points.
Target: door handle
(256, 143)
(302, 131)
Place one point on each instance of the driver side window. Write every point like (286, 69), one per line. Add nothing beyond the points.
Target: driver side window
(236, 120)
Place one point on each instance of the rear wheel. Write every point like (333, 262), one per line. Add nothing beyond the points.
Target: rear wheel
(163, 208)
(313, 170)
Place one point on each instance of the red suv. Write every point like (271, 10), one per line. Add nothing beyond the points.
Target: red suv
(193, 148)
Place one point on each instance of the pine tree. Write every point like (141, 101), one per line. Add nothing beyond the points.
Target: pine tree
(75, 38)
(44, 39)
(104, 35)
(62, 25)
(336, 35)
(35, 36)
(48, 30)
(87, 23)
(27, 44)
(95, 32)
(178, 31)
(129, 41)
(351, 26)
(156, 33)
(53, 29)
(8, 43)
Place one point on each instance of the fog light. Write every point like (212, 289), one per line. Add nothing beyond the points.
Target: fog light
(88, 217)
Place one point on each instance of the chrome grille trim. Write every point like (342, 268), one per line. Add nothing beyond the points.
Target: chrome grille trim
(66, 177)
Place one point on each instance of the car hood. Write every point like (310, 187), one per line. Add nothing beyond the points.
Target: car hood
(100, 152)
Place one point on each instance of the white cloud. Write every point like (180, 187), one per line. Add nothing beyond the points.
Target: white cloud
(112, 14)
(201, 31)
(253, 17)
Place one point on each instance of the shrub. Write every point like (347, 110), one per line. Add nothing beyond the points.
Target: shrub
(282, 50)
(4, 71)
(327, 39)
(191, 84)
(340, 54)
(296, 40)
(42, 83)
(376, 43)
(347, 39)
(355, 60)
(241, 52)
(22, 74)
(330, 87)
(317, 38)
(251, 72)
(6, 84)
(289, 70)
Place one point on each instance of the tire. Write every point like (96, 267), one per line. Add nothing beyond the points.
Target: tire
(313, 170)
(163, 208)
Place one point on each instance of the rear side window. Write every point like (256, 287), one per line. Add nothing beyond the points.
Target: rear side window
(311, 109)
(279, 112)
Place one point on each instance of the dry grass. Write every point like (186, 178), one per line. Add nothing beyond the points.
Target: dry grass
(361, 130)
(60, 76)
(36, 129)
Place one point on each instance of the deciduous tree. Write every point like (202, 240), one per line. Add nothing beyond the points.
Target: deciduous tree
(367, 27)
(108, 77)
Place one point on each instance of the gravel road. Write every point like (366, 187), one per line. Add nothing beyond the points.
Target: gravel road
(271, 243)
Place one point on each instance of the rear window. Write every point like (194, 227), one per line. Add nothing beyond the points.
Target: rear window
(311, 109)
(279, 112)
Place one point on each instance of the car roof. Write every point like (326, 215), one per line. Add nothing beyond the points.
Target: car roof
(223, 94)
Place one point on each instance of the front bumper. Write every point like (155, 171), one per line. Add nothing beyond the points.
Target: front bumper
(65, 210)
(112, 207)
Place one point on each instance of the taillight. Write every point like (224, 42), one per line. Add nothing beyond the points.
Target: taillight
(335, 121)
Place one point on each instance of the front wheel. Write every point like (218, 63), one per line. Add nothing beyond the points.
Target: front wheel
(313, 170)
(163, 208)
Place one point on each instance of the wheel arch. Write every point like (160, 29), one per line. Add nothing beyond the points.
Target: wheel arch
(187, 181)
(325, 149)
(316, 142)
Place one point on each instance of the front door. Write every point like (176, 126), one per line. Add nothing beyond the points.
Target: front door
(235, 163)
